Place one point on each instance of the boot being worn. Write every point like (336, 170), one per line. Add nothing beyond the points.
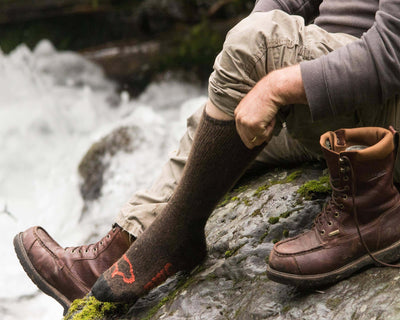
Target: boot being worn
(67, 274)
(175, 241)
(360, 224)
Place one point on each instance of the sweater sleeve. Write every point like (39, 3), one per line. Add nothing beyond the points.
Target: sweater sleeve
(308, 9)
(363, 73)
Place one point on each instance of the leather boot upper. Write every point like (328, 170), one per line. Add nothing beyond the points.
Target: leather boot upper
(360, 163)
(73, 271)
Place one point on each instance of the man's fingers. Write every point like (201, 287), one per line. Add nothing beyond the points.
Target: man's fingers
(254, 137)
(246, 136)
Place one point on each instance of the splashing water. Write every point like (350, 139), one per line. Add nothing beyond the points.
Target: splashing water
(53, 107)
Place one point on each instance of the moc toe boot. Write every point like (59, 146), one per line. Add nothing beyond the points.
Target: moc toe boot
(68, 273)
(360, 224)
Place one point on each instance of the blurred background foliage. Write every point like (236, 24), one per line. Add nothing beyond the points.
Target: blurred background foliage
(191, 32)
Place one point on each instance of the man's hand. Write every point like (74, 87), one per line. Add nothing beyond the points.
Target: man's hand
(255, 114)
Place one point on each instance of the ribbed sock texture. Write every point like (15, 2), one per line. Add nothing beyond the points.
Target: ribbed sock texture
(175, 241)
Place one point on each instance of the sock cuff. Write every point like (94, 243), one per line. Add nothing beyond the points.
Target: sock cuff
(217, 121)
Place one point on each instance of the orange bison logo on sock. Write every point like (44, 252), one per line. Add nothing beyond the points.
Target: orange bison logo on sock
(116, 272)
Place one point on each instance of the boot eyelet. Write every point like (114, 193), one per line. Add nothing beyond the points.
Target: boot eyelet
(95, 249)
(346, 178)
(341, 160)
(345, 197)
(336, 214)
(101, 243)
(73, 251)
(108, 236)
(341, 206)
(347, 188)
(79, 251)
(86, 251)
(322, 232)
(329, 223)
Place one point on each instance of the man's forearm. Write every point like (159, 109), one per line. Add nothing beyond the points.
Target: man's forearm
(286, 86)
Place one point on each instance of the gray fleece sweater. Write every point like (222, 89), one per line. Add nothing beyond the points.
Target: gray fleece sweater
(363, 73)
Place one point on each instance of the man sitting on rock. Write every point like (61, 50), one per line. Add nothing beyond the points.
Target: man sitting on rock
(287, 73)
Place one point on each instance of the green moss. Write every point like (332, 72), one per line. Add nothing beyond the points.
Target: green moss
(293, 176)
(315, 188)
(256, 213)
(263, 236)
(233, 251)
(233, 196)
(241, 188)
(289, 212)
(247, 202)
(333, 303)
(273, 220)
(90, 308)
(211, 276)
(275, 240)
(225, 201)
(286, 308)
(237, 312)
(260, 190)
(285, 233)
(154, 310)
(228, 253)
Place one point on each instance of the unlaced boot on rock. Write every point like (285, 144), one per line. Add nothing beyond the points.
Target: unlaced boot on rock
(67, 274)
(359, 226)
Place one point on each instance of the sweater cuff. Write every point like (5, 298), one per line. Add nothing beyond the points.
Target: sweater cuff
(266, 5)
(312, 73)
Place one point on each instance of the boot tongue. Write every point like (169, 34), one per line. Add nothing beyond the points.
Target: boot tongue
(331, 145)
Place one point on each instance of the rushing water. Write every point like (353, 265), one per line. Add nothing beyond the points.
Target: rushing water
(53, 106)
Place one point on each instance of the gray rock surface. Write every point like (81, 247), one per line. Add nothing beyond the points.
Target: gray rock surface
(232, 284)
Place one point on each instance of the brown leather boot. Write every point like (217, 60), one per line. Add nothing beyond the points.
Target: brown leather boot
(360, 225)
(67, 274)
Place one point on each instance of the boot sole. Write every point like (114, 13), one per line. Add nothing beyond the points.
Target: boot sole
(37, 279)
(388, 255)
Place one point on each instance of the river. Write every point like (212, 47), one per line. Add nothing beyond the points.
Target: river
(53, 107)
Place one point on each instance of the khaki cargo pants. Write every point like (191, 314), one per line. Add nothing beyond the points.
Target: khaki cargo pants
(260, 43)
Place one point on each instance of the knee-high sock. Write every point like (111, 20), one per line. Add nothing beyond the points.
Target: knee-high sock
(175, 241)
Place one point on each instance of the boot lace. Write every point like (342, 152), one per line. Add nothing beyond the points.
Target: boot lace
(91, 247)
(331, 210)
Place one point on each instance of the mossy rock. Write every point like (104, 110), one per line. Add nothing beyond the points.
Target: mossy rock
(315, 189)
(90, 308)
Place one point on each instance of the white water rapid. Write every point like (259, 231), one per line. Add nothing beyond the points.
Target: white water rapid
(53, 106)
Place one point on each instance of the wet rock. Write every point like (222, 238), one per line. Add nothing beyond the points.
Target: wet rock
(96, 160)
(232, 284)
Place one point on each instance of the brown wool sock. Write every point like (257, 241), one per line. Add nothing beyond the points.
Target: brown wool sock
(175, 241)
